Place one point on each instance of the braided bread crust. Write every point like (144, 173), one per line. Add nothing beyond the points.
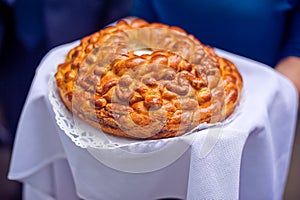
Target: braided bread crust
(166, 92)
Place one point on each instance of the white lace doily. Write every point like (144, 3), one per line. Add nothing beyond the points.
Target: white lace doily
(128, 155)
(84, 135)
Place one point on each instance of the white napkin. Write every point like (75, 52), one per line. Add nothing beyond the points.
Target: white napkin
(246, 159)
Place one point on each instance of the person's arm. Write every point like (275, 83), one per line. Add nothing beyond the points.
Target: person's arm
(290, 67)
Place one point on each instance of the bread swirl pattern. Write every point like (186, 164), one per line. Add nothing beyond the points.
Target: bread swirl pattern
(165, 93)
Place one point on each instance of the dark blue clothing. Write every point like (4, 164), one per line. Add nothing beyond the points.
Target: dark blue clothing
(263, 30)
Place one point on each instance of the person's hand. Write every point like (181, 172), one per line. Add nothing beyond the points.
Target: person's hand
(290, 67)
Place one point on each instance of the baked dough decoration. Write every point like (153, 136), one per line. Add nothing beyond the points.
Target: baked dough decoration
(147, 81)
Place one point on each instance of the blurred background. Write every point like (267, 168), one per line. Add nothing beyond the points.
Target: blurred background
(28, 30)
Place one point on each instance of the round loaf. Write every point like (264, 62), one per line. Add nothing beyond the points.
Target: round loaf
(147, 81)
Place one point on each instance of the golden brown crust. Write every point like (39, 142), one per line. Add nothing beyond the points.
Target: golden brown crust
(166, 93)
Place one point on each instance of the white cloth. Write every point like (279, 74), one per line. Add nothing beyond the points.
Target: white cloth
(246, 159)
